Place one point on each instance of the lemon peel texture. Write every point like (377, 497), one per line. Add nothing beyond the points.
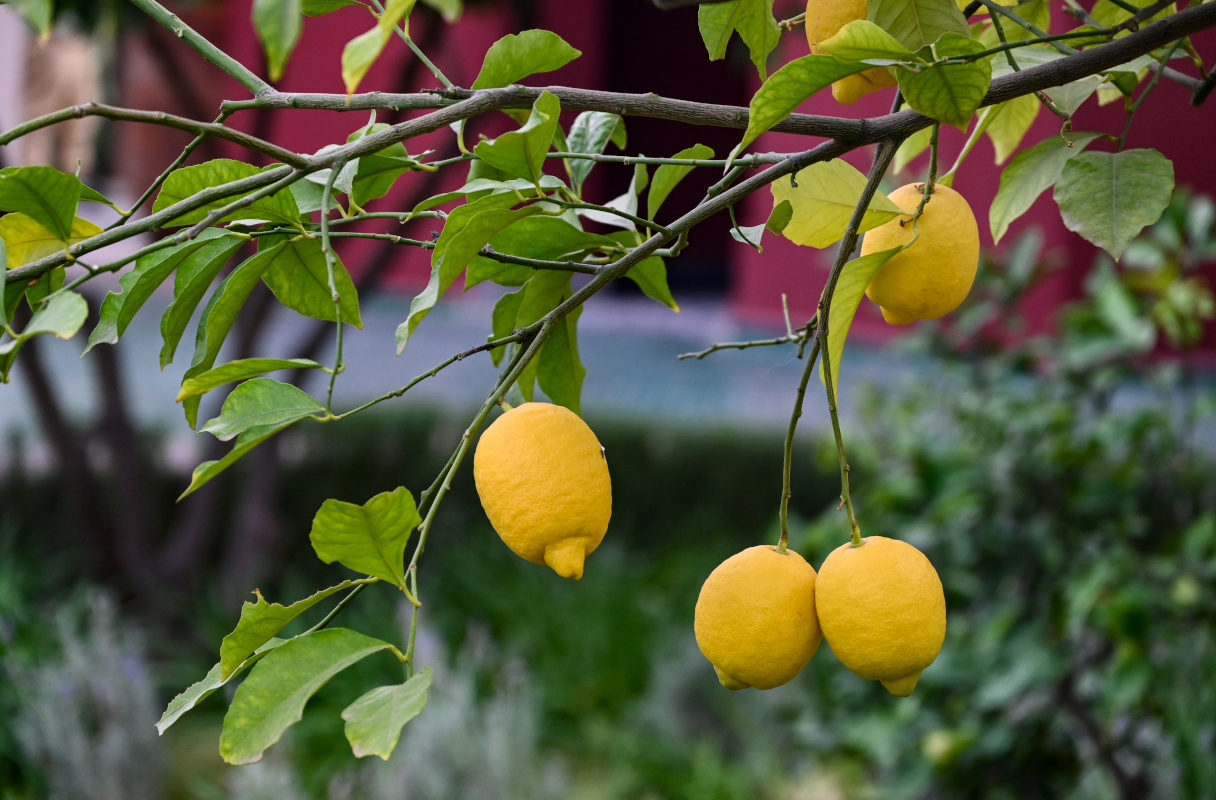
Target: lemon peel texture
(543, 481)
(882, 611)
(755, 618)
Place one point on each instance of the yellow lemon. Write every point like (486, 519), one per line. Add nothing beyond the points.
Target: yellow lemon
(755, 618)
(882, 611)
(934, 274)
(543, 481)
(824, 18)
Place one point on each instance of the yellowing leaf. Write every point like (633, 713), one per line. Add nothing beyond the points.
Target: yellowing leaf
(822, 197)
(26, 240)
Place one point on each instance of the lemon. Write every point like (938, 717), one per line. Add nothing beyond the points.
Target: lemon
(824, 18)
(882, 610)
(755, 618)
(934, 274)
(543, 481)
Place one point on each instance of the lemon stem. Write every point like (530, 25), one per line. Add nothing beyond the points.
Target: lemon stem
(931, 181)
(787, 464)
(882, 161)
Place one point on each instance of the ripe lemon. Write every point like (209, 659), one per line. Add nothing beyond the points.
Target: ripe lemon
(755, 617)
(543, 482)
(824, 18)
(933, 276)
(882, 610)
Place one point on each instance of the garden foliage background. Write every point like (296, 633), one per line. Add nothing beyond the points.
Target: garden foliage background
(1062, 484)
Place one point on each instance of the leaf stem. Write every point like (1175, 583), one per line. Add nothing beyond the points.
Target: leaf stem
(328, 249)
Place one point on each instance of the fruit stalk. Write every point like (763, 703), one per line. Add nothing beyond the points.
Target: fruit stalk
(882, 161)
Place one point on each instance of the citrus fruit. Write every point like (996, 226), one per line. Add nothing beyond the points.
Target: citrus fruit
(755, 617)
(543, 481)
(824, 18)
(882, 610)
(934, 274)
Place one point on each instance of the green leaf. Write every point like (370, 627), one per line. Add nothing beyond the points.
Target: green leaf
(194, 276)
(949, 92)
(516, 56)
(850, 288)
(297, 274)
(627, 203)
(822, 197)
(240, 370)
(1006, 123)
(650, 274)
(272, 698)
(3, 283)
(261, 403)
(26, 240)
(370, 538)
(1028, 175)
(216, 320)
(361, 52)
(542, 237)
(917, 23)
(245, 442)
(150, 271)
(560, 372)
(315, 8)
(668, 176)
(214, 679)
(186, 182)
(540, 295)
(45, 194)
(61, 316)
(862, 40)
(260, 622)
(754, 21)
(277, 23)
(502, 321)
(467, 230)
(786, 88)
(1071, 96)
(1108, 198)
(912, 147)
(522, 152)
(590, 133)
(36, 13)
(375, 720)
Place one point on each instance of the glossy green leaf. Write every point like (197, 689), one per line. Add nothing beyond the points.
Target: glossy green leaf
(822, 198)
(61, 316)
(560, 372)
(260, 403)
(850, 288)
(542, 237)
(785, 90)
(216, 320)
(754, 21)
(150, 271)
(26, 240)
(213, 680)
(272, 698)
(502, 321)
(590, 133)
(315, 8)
(468, 228)
(911, 147)
(540, 295)
(361, 52)
(194, 276)
(627, 203)
(522, 152)
(239, 370)
(186, 182)
(668, 176)
(949, 92)
(449, 9)
(862, 40)
(516, 56)
(45, 194)
(375, 720)
(1028, 175)
(260, 622)
(370, 538)
(3, 284)
(650, 274)
(297, 274)
(1072, 96)
(277, 24)
(917, 23)
(1108, 198)
(245, 442)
